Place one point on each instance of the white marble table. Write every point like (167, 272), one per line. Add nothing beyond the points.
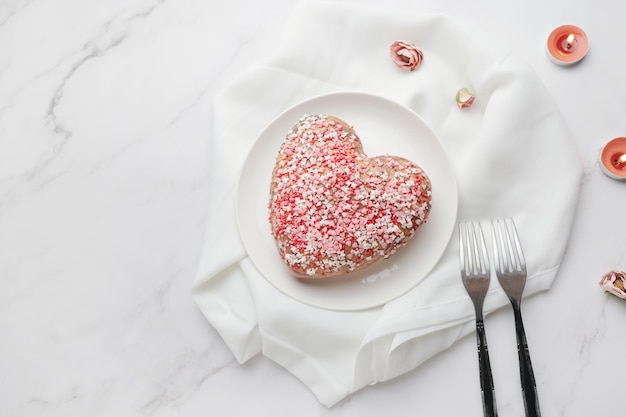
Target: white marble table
(105, 128)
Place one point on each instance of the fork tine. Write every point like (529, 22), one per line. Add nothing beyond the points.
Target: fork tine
(518, 246)
(508, 254)
(498, 239)
(473, 250)
(482, 253)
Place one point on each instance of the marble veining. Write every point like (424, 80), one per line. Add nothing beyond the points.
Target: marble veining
(105, 129)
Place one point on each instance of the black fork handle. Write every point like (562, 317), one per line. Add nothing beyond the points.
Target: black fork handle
(527, 376)
(484, 365)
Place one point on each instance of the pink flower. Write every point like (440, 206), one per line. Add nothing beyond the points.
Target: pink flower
(464, 98)
(406, 55)
(614, 282)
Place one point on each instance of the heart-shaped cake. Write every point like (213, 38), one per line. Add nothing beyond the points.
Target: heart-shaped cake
(332, 209)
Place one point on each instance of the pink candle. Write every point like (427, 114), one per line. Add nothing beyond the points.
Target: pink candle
(567, 45)
(613, 159)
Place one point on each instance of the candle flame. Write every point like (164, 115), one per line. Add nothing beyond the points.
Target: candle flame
(569, 41)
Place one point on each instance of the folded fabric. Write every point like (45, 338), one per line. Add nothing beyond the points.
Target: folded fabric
(504, 151)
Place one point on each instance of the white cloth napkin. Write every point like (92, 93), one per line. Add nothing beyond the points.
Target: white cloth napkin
(512, 155)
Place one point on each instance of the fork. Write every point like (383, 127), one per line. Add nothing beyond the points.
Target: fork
(475, 273)
(511, 272)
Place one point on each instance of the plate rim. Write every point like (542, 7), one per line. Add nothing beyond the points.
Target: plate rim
(336, 95)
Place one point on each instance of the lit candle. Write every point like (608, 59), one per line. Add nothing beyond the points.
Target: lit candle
(613, 159)
(620, 162)
(567, 45)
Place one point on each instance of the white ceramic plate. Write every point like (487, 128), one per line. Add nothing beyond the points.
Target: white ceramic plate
(384, 127)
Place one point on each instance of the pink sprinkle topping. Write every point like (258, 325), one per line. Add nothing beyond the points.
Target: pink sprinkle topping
(333, 209)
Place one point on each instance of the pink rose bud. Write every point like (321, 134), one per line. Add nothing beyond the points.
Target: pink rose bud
(464, 98)
(614, 282)
(406, 55)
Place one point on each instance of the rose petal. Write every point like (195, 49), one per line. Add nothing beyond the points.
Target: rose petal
(406, 55)
(614, 282)
(464, 98)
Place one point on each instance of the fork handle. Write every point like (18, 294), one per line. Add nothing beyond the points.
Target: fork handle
(527, 376)
(484, 365)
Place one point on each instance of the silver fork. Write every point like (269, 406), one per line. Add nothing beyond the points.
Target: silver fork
(511, 272)
(475, 274)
